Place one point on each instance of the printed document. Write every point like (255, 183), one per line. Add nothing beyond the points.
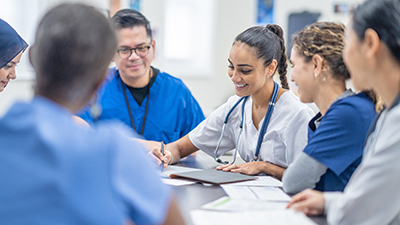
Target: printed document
(255, 193)
(266, 181)
(259, 217)
(230, 204)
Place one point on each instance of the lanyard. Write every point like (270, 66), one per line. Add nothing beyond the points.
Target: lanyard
(129, 108)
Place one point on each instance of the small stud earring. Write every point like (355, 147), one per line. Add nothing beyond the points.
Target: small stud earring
(315, 75)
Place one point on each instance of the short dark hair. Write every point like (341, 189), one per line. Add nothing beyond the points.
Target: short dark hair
(269, 44)
(74, 45)
(383, 16)
(129, 18)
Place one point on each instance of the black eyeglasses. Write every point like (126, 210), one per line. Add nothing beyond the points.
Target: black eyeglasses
(141, 51)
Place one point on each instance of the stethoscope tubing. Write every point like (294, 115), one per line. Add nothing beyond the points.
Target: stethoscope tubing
(244, 99)
(262, 131)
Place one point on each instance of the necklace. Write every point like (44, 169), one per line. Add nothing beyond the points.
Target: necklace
(147, 105)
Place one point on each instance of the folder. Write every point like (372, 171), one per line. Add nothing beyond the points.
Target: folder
(213, 176)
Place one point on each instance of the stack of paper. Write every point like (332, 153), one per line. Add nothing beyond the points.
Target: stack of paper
(276, 217)
(265, 181)
(230, 204)
(250, 202)
(255, 193)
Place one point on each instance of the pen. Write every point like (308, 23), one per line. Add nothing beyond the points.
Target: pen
(162, 152)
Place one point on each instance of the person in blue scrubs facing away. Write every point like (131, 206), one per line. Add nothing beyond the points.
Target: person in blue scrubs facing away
(11, 48)
(336, 135)
(57, 172)
(155, 104)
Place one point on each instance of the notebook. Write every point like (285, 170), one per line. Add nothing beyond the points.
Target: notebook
(213, 176)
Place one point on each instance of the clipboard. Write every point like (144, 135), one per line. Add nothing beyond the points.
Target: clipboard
(213, 176)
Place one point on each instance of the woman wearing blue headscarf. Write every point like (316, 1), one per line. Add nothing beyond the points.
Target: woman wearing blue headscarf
(11, 48)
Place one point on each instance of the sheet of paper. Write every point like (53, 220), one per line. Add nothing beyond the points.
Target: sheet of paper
(265, 181)
(239, 192)
(255, 193)
(175, 169)
(229, 204)
(177, 182)
(276, 217)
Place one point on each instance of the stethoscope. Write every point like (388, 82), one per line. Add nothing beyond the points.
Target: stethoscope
(263, 127)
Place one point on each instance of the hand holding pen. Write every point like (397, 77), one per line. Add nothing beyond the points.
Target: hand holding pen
(162, 153)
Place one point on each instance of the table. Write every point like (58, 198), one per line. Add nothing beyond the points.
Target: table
(193, 196)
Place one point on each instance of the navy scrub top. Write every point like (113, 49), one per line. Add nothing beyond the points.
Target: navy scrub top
(339, 139)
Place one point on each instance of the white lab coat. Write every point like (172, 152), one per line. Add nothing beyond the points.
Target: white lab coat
(284, 140)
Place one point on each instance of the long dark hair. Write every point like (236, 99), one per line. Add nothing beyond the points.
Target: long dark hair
(383, 16)
(269, 45)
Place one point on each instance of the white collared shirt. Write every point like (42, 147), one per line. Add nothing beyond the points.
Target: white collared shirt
(285, 138)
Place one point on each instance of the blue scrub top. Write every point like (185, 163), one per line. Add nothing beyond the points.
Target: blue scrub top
(339, 139)
(57, 172)
(173, 111)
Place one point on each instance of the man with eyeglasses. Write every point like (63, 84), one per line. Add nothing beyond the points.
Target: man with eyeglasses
(155, 104)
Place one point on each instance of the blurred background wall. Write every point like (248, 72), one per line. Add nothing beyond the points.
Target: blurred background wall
(193, 37)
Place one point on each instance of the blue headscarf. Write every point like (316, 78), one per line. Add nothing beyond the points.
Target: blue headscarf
(11, 44)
